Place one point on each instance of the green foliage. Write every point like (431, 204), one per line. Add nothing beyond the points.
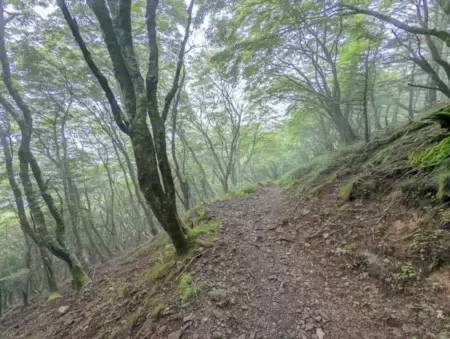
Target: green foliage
(346, 191)
(432, 156)
(443, 182)
(432, 246)
(210, 227)
(80, 278)
(161, 264)
(407, 273)
(188, 288)
(196, 215)
(54, 296)
(241, 191)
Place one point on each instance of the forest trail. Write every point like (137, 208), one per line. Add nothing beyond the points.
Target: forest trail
(270, 275)
(282, 287)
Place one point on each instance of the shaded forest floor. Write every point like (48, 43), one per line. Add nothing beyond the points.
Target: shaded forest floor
(277, 270)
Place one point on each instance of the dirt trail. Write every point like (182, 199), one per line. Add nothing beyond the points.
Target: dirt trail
(265, 280)
(279, 287)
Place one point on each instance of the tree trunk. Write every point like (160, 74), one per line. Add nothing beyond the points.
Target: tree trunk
(343, 127)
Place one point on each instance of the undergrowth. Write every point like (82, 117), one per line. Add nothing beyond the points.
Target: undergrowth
(240, 191)
(188, 288)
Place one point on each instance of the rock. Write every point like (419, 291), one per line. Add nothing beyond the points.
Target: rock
(217, 335)
(375, 265)
(161, 329)
(174, 335)
(242, 336)
(219, 296)
(319, 333)
(218, 314)
(189, 317)
(63, 309)
(309, 326)
(444, 335)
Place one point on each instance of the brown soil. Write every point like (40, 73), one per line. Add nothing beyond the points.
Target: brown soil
(275, 272)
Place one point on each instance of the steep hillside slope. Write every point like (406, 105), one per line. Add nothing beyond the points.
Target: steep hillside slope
(403, 179)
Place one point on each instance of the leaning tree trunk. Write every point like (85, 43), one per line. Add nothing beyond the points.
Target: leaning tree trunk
(26, 161)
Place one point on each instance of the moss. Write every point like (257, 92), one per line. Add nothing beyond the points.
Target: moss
(54, 295)
(432, 156)
(368, 185)
(443, 182)
(346, 191)
(155, 307)
(122, 292)
(210, 227)
(79, 278)
(188, 288)
(445, 216)
(136, 317)
(287, 181)
(406, 274)
(240, 192)
(159, 270)
(196, 215)
(432, 246)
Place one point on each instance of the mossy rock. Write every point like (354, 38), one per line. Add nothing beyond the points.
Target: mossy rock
(357, 187)
(346, 190)
(122, 292)
(54, 296)
(79, 278)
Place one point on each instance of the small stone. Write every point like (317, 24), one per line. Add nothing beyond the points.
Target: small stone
(189, 317)
(217, 294)
(63, 309)
(162, 329)
(319, 333)
(218, 314)
(309, 326)
(174, 335)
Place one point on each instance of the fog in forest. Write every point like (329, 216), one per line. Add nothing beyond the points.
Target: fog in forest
(122, 122)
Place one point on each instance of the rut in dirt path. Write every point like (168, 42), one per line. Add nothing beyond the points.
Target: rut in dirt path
(267, 283)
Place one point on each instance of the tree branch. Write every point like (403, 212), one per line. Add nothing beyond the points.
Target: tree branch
(423, 86)
(115, 108)
(442, 35)
(176, 79)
